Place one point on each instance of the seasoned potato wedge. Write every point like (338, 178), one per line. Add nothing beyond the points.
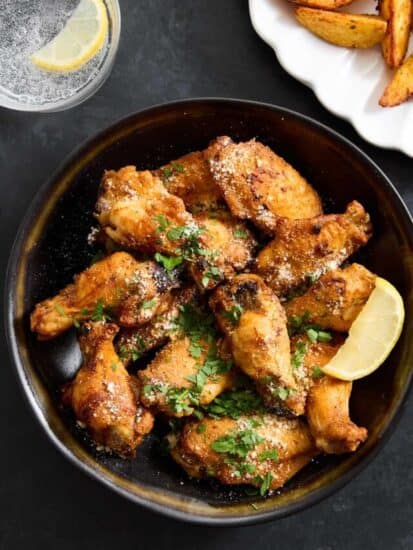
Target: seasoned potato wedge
(343, 29)
(400, 87)
(323, 4)
(397, 13)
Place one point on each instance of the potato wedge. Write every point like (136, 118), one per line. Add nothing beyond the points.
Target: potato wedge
(398, 15)
(323, 4)
(343, 29)
(400, 87)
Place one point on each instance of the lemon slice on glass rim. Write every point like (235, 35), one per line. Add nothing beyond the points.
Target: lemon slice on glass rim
(80, 39)
(372, 336)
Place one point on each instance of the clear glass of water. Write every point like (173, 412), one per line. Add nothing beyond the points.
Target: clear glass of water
(25, 26)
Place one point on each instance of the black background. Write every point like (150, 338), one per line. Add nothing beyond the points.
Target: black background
(172, 49)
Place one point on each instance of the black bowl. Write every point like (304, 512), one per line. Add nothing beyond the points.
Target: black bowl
(51, 247)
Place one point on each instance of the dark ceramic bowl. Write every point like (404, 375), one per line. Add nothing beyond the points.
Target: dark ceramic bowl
(51, 247)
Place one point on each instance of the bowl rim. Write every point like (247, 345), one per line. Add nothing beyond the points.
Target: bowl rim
(12, 269)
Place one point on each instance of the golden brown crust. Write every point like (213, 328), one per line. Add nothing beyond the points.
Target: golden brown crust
(259, 185)
(133, 342)
(327, 408)
(104, 397)
(230, 244)
(309, 248)
(289, 439)
(106, 284)
(171, 370)
(129, 206)
(190, 179)
(334, 301)
(258, 335)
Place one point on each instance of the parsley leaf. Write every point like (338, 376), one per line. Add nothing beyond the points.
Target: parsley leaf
(234, 314)
(149, 304)
(168, 262)
(266, 482)
(269, 454)
(297, 359)
(317, 373)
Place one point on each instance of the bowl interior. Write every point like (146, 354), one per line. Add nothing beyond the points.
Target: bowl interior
(52, 247)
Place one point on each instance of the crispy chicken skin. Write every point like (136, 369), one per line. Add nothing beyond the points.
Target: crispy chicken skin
(129, 206)
(327, 408)
(106, 283)
(132, 343)
(168, 374)
(334, 301)
(254, 321)
(304, 248)
(260, 186)
(104, 397)
(287, 443)
(190, 179)
(230, 245)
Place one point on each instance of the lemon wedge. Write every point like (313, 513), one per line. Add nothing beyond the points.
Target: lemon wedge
(372, 335)
(81, 38)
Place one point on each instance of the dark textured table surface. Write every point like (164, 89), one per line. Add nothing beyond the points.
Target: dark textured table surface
(173, 49)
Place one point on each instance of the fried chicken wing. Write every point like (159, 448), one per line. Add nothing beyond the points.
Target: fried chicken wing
(229, 245)
(254, 321)
(334, 301)
(101, 287)
(309, 248)
(260, 186)
(327, 408)
(190, 179)
(133, 207)
(264, 451)
(184, 374)
(132, 343)
(104, 397)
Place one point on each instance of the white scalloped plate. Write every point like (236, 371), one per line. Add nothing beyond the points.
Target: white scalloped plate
(347, 82)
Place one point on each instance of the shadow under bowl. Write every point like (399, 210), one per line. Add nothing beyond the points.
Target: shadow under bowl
(52, 246)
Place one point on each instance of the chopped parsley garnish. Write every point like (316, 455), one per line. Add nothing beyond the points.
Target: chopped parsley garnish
(269, 454)
(149, 304)
(234, 314)
(134, 351)
(317, 373)
(297, 359)
(235, 403)
(237, 444)
(178, 167)
(201, 428)
(265, 485)
(168, 262)
(100, 312)
(213, 273)
(169, 171)
(239, 233)
(299, 324)
(162, 222)
(114, 367)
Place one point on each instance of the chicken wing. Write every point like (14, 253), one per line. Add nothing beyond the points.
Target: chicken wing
(104, 397)
(305, 249)
(99, 289)
(263, 451)
(132, 343)
(190, 179)
(229, 244)
(135, 209)
(327, 407)
(254, 321)
(184, 375)
(334, 301)
(259, 185)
